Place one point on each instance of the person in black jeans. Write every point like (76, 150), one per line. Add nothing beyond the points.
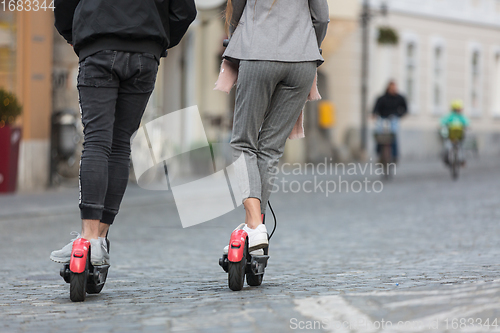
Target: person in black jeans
(390, 107)
(119, 44)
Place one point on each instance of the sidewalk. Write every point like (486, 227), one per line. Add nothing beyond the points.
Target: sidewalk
(424, 250)
(64, 200)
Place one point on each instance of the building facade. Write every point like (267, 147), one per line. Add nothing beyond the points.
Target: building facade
(39, 66)
(26, 48)
(447, 50)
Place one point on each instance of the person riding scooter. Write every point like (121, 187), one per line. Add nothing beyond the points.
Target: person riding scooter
(276, 48)
(119, 44)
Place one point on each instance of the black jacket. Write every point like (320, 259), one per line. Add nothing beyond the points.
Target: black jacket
(390, 105)
(149, 26)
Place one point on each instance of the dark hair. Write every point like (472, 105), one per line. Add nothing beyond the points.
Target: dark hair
(391, 82)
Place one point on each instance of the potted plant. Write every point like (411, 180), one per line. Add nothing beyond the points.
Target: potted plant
(387, 36)
(10, 137)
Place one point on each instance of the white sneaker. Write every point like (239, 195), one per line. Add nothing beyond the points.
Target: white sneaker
(64, 255)
(98, 256)
(104, 244)
(257, 238)
(99, 252)
(259, 252)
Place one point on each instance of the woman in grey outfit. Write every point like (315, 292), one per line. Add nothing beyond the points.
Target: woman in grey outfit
(277, 46)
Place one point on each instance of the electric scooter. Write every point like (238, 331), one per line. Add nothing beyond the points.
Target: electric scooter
(238, 262)
(83, 277)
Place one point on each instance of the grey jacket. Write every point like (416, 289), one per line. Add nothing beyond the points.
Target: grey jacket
(288, 30)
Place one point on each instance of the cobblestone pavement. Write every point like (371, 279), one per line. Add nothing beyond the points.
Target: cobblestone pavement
(425, 252)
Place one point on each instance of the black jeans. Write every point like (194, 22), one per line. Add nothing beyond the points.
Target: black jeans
(114, 90)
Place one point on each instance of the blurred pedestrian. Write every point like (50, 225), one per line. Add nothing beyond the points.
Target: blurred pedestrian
(119, 44)
(275, 45)
(389, 108)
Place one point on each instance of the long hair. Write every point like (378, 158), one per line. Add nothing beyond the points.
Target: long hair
(229, 13)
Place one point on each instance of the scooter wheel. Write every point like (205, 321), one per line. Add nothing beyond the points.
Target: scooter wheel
(236, 273)
(254, 280)
(93, 289)
(78, 286)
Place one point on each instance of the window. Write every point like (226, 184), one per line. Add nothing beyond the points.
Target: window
(7, 50)
(410, 70)
(438, 80)
(436, 87)
(411, 75)
(475, 83)
(495, 93)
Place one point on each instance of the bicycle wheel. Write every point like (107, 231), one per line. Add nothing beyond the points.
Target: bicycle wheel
(386, 160)
(455, 164)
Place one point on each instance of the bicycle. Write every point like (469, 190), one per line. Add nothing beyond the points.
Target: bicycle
(385, 137)
(453, 153)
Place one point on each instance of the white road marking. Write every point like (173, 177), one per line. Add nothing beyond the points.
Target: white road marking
(472, 302)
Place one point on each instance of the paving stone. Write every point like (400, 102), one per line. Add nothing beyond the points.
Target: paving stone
(424, 245)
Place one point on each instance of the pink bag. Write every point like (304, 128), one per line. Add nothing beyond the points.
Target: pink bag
(229, 75)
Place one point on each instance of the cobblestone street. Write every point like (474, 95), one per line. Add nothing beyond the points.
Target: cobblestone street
(423, 253)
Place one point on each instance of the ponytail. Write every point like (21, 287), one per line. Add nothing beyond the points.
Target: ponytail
(229, 15)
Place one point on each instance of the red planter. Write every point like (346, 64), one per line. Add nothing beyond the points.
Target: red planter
(10, 137)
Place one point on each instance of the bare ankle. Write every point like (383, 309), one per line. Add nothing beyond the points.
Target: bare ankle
(103, 229)
(89, 237)
(90, 229)
(254, 224)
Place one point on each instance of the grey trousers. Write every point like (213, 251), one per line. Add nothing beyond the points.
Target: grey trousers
(269, 98)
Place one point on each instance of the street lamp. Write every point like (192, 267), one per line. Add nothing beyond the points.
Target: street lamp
(366, 17)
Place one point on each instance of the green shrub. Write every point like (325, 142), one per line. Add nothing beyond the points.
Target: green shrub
(10, 108)
(387, 36)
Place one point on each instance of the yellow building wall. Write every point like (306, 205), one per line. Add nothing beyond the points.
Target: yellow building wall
(34, 72)
(34, 49)
(344, 9)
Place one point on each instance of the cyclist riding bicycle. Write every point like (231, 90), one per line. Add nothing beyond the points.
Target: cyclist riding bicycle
(453, 127)
(388, 110)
